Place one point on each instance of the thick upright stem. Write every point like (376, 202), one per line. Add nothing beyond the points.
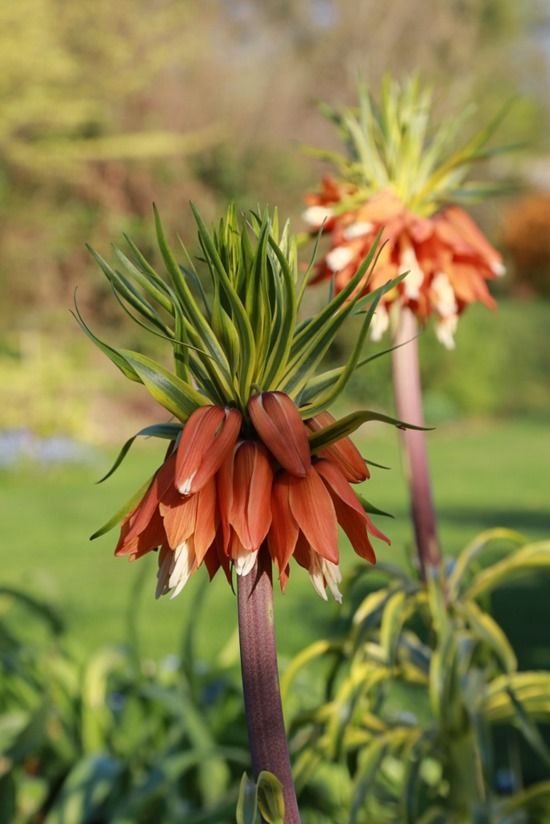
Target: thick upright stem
(262, 697)
(408, 401)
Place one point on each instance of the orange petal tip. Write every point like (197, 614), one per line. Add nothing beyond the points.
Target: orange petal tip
(277, 421)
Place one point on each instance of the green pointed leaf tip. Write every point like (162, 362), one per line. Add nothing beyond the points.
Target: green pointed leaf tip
(169, 431)
(394, 144)
(270, 798)
(233, 323)
(247, 802)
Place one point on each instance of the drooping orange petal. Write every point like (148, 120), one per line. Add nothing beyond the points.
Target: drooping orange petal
(355, 528)
(454, 227)
(313, 510)
(142, 514)
(206, 523)
(138, 520)
(179, 514)
(207, 438)
(469, 284)
(216, 558)
(343, 453)
(341, 491)
(302, 552)
(284, 575)
(350, 514)
(224, 487)
(149, 539)
(277, 421)
(250, 513)
(283, 532)
(455, 223)
(337, 484)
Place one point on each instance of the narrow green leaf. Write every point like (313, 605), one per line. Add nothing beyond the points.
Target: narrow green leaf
(247, 803)
(174, 394)
(114, 355)
(529, 730)
(410, 795)
(152, 284)
(238, 312)
(122, 512)
(489, 632)
(315, 346)
(315, 650)
(199, 325)
(127, 291)
(371, 760)
(317, 384)
(438, 688)
(181, 352)
(169, 431)
(534, 801)
(255, 285)
(393, 618)
(475, 548)
(315, 324)
(190, 272)
(282, 345)
(371, 606)
(325, 398)
(525, 562)
(371, 508)
(345, 426)
(90, 782)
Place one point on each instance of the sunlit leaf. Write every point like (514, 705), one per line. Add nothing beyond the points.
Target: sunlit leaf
(169, 431)
(174, 394)
(271, 803)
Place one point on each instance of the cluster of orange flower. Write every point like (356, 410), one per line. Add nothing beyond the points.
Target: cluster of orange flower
(231, 486)
(447, 257)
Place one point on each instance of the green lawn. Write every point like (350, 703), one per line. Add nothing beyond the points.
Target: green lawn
(485, 474)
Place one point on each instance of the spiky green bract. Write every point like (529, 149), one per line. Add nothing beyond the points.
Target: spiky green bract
(394, 145)
(233, 323)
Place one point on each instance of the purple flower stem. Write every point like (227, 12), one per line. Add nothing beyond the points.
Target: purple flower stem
(260, 676)
(408, 402)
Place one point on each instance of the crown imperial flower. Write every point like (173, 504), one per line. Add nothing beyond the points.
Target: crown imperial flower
(395, 182)
(255, 461)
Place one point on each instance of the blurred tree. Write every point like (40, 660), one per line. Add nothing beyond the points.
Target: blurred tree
(105, 107)
(79, 101)
(526, 236)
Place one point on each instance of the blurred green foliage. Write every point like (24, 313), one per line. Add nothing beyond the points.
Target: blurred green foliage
(103, 109)
(412, 711)
(419, 712)
(499, 368)
(117, 738)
